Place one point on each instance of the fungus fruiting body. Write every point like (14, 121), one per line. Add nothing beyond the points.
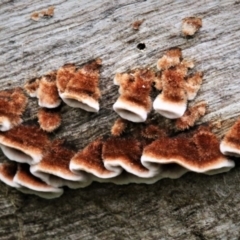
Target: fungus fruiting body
(189, 153)
(43, 13)
(33, 185)
(170, 59)
(49, 120)
(32, 86)
(190, 25)
(7, 173)
(24, 144)
(134, 102)
(118, 127)
(47, 92)
(191, 116)
(136, 24)
(12, 105)
(120, 153)
(79, 88)
(54, 168)
(175, 89)
(230, 145)
(172, 102)
(90, 160)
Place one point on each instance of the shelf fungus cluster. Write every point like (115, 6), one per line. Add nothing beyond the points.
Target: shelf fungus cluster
(77, 88)
(132, 153)
(42, 166)
(172, 79)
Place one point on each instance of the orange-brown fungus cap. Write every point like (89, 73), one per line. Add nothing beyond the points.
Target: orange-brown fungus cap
(79, 88)
(125, 153)
(47, 92)
(49, 120)
(12, 104)
(199, 153)
(193, 84)
(173, 85)
(136, 24)
(153, 132)
(192, 115)
(118, 127)
(31, 87)
(33, 184)
(43, 13)
(170, 59)
(134, 103)
(24, 143)
(7, 173)
(191, 25)
(230, 144)
(90, 160)
(56, 162)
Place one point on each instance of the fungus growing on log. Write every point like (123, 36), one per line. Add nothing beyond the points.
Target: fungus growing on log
(79, 88)
(190, 25)
(230, 145)
(31, 87)
(170, 59)
(193, 84)
(49, 120)
(199, 152)
(7, 173)
(47, 92)
(12, 104)
(24, 144)
(120, 153)
(43, 13)
(54, 168)
(172, 102)
(33, 185)
(192, 115)
(90, 160)
(118, 127)
(176, 90)
(136, 24)
(134, 103)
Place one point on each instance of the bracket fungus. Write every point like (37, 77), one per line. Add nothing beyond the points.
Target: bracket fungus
(54, 168)
(170, 59)
(47, 92)
(7, 172)
(134, 102)
(78, 88)
(33, 185)
(90, 160)
(118, 127)
(48, 119)
(24, 144)
(192, 115)
(120, 153)
(31, 87)
(230, 145)
(12, 104)
(176, 90)
(190, 25)
(199, 153)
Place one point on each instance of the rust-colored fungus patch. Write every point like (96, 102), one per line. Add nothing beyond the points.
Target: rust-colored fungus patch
(190, 25)
(49, 120)
(79, 87)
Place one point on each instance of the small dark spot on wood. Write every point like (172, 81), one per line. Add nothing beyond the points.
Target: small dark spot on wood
(141, 46)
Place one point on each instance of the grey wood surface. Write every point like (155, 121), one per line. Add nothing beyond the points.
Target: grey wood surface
(192, 207)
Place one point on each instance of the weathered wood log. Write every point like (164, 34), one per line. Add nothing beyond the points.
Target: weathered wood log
(192, 207)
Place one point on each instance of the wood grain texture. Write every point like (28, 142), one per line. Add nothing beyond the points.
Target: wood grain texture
(192, 207)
